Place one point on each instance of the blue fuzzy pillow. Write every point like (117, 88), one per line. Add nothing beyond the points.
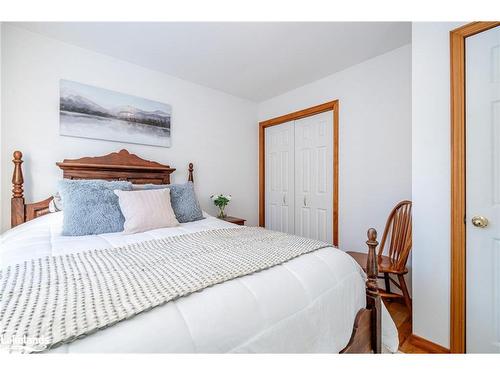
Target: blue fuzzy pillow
(91, 206)
(183, 199)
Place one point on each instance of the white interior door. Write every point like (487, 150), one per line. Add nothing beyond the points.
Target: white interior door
(314, 176)
(279, 171)
(483, 192)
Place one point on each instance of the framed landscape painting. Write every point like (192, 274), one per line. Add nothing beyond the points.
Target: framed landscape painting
(91, 112)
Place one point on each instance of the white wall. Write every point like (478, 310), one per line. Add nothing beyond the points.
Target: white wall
(216, 131)
(431, 180)
(374, 140)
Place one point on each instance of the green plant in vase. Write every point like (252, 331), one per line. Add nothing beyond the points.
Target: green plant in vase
(221, 201)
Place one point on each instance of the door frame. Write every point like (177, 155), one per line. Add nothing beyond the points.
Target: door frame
(458, 175)
(325, 107)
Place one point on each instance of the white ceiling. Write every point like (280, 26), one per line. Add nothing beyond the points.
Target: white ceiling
(253, 60)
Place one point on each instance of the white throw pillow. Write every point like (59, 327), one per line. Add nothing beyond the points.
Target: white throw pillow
(146, 209)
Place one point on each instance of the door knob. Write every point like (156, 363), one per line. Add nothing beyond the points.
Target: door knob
(480, 221)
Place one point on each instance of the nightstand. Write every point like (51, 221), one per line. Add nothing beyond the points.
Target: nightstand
(234, 220)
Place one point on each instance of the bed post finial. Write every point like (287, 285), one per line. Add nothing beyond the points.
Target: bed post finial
(17, 176)
(372, 293)
(17, 215)
(190, 176)
(371, 266)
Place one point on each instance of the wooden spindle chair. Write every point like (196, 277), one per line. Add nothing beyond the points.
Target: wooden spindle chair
(397, 237)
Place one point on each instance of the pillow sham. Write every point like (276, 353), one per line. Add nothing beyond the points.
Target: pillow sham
(183, 199)
(91, 206)
(149, 187)
(146, 210)
(56, 204)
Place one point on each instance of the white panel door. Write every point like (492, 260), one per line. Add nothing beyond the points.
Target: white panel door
(314, 176)
(483, 192)
(279, 171)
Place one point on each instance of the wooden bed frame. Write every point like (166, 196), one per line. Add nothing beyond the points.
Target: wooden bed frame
(123, 166)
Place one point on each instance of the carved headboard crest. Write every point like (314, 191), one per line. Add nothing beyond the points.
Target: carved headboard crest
(120, 165)
(122, 158)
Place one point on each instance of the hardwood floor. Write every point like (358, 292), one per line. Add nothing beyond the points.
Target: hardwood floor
(402, 318)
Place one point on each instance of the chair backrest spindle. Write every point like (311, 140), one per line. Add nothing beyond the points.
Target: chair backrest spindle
(397, 235)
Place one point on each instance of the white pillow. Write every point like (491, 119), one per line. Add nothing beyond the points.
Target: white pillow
(146, 209)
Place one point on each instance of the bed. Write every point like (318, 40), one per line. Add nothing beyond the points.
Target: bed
(317, 302)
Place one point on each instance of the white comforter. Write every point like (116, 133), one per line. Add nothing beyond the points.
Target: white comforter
(305, 305)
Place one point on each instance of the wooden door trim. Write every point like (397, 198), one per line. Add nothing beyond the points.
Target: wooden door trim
(325, 107)
(458, 193)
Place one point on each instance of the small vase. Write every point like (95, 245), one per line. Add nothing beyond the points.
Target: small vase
(222, 215)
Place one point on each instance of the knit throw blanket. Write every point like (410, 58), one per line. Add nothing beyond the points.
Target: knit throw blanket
(55, 300)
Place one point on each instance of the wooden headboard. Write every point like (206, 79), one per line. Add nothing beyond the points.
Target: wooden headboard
(122, 166)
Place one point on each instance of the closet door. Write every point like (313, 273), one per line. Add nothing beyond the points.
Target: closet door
(279, 170)
(314, 176)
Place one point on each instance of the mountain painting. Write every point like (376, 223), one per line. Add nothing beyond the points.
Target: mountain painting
(91, 112)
